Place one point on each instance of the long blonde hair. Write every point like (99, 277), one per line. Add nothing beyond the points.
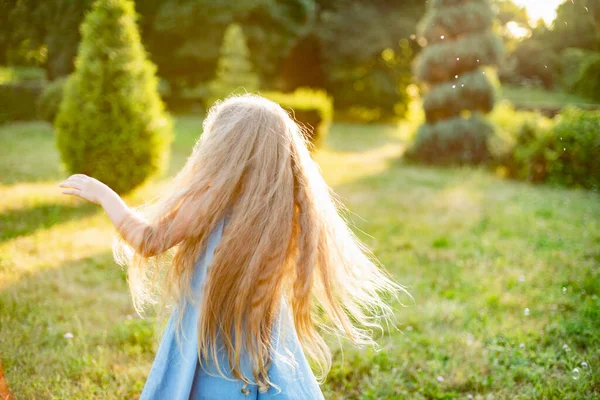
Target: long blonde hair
(285, 239)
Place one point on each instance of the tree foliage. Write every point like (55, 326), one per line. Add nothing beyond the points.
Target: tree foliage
(111, 123)
(460, 42)
(367, 67)
(234, 70)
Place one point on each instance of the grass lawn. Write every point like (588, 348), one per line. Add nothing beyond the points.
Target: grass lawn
(538, 97)
(505, 278)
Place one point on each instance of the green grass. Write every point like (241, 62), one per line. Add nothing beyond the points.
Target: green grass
(538, 97)
(475, 251)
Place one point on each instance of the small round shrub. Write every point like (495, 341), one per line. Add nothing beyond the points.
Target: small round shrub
(452, 141)
(49, 101)
(312, 109)
(111, 123)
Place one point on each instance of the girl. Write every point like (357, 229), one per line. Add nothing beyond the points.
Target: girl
(263, 262)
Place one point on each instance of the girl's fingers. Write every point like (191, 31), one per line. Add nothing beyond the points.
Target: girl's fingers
(72, 191)
(71, 184)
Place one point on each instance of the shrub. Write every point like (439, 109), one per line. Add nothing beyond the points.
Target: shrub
(49, 102)
(234, 69)
(111, 123)
(460, 42)
(536, 62)
(588, 84)
(312, 109)
(573, 149)
(452, 141)
(565, 150)
(18, 99)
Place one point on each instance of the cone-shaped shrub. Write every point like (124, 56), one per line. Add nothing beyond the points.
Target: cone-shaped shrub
(459, 43)
(111, 123)
(234, 68)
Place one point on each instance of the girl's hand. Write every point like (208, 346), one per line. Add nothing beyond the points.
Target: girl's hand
(87, 188)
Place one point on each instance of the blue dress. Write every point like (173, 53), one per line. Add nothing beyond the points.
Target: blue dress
(176, 373)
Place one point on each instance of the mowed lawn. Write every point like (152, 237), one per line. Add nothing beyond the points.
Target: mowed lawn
(505, 278)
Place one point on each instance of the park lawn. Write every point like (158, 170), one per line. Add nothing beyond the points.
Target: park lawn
(526, 96)
(505, 278)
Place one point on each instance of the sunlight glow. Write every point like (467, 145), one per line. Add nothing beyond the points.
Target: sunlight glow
(516, 30)
(544, 9)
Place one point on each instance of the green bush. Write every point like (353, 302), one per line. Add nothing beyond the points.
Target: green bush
(18, 100)
(452, 141)
(588, 84)
(312, 109)
(111, 123)
(49, 102)
(580, 72)
(564, 150)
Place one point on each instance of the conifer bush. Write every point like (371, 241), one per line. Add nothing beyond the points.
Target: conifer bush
(234, 74)
(111, 123)
(460, 42)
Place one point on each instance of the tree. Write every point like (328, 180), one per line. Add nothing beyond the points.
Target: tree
(111, 124)
(577, 24)
(42, 32)
(459, 42)
(234, 69)
(184, 36)
(367, 68)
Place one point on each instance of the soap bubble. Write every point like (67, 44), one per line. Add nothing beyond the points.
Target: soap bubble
(575, 374)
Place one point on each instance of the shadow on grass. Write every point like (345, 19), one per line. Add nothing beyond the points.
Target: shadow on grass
(87, 298)
(28, 220)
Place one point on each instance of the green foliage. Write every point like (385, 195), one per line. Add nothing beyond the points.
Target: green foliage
(573, 62)
(235, 73)
(532, 61)
(41, 32)
(367, 69)
(441, 61)
(312, 109)
(49, 102)
(578, 25)
(564, 151)
(111, 123)
(588, 84)
(460, 41)
(452, 141)
(184, 36)
(470, 91)
(18, 99)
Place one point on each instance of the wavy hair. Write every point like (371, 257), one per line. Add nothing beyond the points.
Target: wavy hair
(285, 240)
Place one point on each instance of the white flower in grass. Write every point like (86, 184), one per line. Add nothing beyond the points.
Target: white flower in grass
(68, 335)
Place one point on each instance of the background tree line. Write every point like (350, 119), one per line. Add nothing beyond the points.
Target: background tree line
(359, 52)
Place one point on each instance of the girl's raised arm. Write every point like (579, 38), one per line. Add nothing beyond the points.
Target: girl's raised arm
(145, 238)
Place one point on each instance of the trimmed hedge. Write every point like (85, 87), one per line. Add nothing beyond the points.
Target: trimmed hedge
(452, 141)
(312, 109)
(49, 102)
(18, 100)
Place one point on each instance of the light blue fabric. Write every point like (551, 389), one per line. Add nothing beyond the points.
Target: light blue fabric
(176, 373)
